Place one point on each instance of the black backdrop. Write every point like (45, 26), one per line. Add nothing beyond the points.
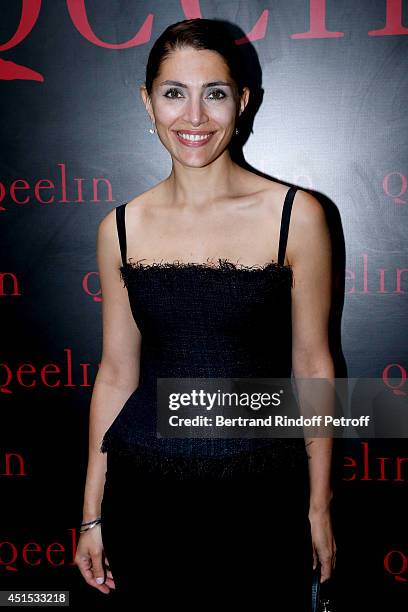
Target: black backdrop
(75, 143)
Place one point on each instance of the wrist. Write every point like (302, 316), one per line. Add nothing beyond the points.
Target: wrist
(90, 514)
(88, 525)
(319, 505)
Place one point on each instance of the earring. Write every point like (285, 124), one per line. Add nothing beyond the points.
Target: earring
(152, 130)
(236, 131)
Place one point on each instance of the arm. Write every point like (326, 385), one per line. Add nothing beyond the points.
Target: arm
(118, 374)
(117, 378)
(309, 249)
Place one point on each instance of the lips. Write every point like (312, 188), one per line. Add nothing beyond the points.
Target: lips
(191, 138)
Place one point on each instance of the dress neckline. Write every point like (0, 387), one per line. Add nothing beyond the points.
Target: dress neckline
(223, 264)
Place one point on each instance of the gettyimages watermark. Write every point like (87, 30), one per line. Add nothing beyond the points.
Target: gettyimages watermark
(282, 408)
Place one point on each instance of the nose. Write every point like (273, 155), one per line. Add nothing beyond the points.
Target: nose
(195, 111)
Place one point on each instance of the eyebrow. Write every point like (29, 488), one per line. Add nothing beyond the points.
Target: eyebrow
(212, 84)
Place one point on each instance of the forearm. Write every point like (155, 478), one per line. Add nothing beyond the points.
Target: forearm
(106, 403)
(319, 452)
(317, 398)
(95, 481)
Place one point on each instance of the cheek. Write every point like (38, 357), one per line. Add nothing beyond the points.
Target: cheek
(166, 114)
(223, 113)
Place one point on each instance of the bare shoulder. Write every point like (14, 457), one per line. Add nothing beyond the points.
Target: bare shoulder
(107, 229)
(136, 210)
(308, 226)
(308, 230)
(308, 211)
(308, 217)
(305, 206)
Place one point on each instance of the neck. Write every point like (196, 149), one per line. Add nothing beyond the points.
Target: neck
(196, 187)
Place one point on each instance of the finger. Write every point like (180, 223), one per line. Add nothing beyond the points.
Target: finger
(85, 567)
(97, 568)
(108, 572)
(314, 558)
(333, 556)
(110, 583)
(326, 569)
(108, 569)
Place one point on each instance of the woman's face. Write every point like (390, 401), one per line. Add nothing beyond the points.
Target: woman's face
(194, 105)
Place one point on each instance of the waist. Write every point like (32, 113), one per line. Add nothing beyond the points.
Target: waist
(190, 363)
(271, 464)
(281, 451)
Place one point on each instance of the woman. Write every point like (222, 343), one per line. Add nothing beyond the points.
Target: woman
(179, 520)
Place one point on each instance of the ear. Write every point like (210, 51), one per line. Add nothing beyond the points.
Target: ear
(243, 100)
(147, 101)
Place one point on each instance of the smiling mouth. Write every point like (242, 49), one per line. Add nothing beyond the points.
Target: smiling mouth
(194, 139)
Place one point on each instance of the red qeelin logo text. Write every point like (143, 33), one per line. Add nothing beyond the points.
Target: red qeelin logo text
(9, 70)
(396, 565)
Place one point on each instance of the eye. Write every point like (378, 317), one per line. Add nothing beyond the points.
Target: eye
(175, 93)
(217, 94)
(172, 90)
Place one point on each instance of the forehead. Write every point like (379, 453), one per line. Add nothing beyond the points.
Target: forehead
(194, 65)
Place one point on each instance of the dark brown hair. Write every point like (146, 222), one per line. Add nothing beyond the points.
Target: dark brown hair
(211, 34)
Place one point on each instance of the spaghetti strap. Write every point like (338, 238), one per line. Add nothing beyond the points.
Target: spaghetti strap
(121, 227)
(285, 219)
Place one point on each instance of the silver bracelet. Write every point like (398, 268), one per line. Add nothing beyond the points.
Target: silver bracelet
(89, 522)
(90, 525)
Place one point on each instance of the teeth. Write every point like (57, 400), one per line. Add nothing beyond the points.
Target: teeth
(193, 137)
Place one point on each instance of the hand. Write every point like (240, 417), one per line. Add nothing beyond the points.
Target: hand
(88, 558)
(323, 543)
